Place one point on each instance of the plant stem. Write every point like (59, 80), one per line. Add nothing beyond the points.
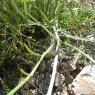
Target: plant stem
(13, 91)
(86, 55)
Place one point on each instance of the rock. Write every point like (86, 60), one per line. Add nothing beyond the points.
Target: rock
(42, 82)
(66, 63)
(84, 83)
(59, 79)
(60, 93)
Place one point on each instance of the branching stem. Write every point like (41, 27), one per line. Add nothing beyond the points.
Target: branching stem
(12, 92)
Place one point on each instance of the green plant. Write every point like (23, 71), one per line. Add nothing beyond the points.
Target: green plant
(27, 28)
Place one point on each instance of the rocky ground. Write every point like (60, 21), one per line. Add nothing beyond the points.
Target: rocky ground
(75, 75)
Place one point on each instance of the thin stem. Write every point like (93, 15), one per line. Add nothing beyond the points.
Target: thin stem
(53, 75)
(86, 55)
(75, 37)
(55, 61)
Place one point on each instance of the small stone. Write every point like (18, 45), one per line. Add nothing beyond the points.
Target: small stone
(59, 80)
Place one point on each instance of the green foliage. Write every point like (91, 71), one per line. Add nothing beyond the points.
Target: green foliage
(26, 26)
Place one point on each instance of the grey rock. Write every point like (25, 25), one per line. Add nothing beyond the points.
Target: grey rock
(84, 83)
(59, 80)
